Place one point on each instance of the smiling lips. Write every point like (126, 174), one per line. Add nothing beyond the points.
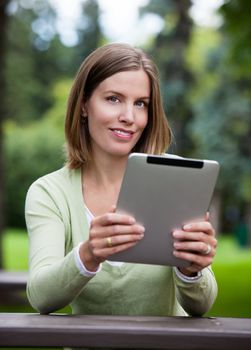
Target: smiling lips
(123, 134)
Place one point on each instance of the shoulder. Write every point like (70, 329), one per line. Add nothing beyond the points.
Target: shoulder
(54, 194)
(59, 178)
(57, 183)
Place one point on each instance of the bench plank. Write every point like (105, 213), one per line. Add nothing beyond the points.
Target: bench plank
(12, 287)
(14, 280)
(34, 330)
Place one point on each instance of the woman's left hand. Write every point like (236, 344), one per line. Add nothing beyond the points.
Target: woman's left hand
(197, 244)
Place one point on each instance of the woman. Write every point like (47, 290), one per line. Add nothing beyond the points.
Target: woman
(114, 108)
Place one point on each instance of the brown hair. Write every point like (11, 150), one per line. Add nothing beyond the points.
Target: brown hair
(99, 65)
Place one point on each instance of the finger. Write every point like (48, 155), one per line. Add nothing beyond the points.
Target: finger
(112, 219)
(102, 254)
(203, 226)
(113, 230)
(112, 209)
(192, 236)
(112, 241)
(195, 259)
(195, 247)
(188, 236)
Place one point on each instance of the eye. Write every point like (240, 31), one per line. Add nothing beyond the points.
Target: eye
(141, 104)
(113, 99)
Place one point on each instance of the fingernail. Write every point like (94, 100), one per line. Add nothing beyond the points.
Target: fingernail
(187, 227)
(132, 220)
(141, 229)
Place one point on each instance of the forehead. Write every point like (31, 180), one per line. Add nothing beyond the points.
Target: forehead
(135, 82)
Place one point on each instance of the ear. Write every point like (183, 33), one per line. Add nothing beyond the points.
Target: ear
(83, 110)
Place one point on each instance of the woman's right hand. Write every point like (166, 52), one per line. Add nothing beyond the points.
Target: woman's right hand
(110, 233)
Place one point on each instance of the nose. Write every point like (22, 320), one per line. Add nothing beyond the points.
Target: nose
(127, 114)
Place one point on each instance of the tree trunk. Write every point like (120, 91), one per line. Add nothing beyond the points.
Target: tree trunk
(248, 223)
(3, 41)
(175, 73)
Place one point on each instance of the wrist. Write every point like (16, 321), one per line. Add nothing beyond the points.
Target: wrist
(185, 278)
(90, 263)
(187, 273)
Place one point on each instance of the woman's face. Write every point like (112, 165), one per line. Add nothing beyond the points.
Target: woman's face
(117, 113)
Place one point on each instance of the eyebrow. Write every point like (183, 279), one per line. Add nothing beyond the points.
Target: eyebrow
(120, 94)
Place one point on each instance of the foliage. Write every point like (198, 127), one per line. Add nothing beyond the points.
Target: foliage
(36, 99)
(205, 78)
(31, 152)
(221, 127)
(29, 81)
(220, 108)
(42, 59)
(89, 31)
(56, 114)
(236, 14)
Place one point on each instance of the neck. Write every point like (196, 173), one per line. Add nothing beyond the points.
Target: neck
(106, 172)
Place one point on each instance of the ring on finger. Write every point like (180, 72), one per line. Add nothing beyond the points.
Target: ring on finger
(109, 241)
(208, 251)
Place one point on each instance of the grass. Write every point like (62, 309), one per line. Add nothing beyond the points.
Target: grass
(15, 250)
(232, 267)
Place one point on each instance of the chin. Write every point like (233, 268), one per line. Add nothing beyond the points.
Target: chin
(122, 153)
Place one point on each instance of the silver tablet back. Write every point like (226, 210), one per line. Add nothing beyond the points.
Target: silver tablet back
(163, 193)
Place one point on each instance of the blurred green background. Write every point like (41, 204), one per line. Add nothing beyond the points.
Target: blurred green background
(205, 73)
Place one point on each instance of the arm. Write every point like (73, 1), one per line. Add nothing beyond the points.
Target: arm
(197, 244)
(197, 295)
(54, 279)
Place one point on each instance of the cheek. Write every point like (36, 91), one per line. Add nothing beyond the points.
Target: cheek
(143, 121)
(102, 114)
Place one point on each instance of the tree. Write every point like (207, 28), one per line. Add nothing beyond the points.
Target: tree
(89, 32)
(3, 30)
(236, 15)
(222, 125)
(169, 52)
(35, 59)
(41, 84)
(33, 42)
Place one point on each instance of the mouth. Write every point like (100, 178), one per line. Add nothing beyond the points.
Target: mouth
(124, 134)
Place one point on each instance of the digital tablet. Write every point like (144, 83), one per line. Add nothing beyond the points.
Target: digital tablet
(163, 193)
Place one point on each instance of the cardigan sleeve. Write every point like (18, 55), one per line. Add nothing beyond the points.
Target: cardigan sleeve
(197, 297)
(54, 278)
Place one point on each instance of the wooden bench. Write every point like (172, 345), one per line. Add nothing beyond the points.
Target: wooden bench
(57, 330)
(12, 287)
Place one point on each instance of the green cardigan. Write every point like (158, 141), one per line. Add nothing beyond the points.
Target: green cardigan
(56, 223)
